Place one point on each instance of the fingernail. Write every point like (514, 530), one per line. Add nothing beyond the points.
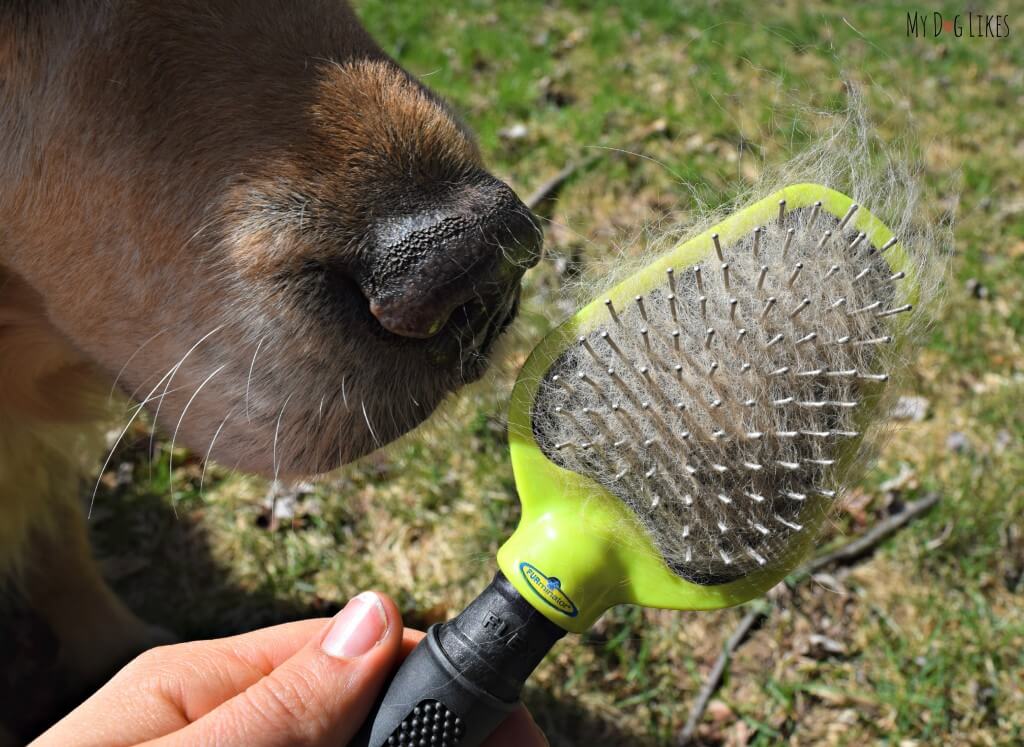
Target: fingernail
(357, 628)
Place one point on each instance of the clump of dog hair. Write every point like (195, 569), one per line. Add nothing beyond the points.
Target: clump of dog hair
(844, 152)
(731, 405)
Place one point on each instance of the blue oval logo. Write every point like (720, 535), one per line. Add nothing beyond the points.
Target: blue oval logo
(548, 588)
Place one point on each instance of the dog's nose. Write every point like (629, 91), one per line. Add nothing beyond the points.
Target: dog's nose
(475, 244)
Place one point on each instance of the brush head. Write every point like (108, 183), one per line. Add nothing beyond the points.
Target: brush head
(679, 440)
(720, 404)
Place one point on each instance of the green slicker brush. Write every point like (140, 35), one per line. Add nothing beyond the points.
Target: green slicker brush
(677, 443)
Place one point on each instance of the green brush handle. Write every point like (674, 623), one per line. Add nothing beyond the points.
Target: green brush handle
(465, 676)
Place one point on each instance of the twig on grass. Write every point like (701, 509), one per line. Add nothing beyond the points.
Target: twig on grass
(861, 546)
(549, 190)
(739, 635)
(846, 554)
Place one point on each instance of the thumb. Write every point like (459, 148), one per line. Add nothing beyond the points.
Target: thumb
(320, 696)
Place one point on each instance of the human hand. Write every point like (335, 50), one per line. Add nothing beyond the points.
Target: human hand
(304, 683)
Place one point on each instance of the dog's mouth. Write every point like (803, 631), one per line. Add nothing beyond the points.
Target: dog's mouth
(479, 326)
(467, 340)
(463, 344)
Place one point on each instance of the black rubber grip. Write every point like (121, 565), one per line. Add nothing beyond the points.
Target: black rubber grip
(465, 676)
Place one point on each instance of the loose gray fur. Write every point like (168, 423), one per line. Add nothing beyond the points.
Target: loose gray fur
(718, 405)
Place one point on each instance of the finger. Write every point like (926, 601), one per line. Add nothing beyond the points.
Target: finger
(410, 637)
(518, 730)
(319, 696)
(204, 674)
(168, 687)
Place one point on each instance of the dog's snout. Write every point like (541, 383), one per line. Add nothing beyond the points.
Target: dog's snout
(473, 246)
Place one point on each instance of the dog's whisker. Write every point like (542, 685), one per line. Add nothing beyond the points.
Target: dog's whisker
(538, 231)
(248, 380)
(274, 484)
(174, 437)
(166, 393)
(134, 396)
(394, 421)
(117, 441)
(277, 432)
(316, 436)
(369, 425)
(120, 373)
(209, 450)
(172, 373)
(162, 395)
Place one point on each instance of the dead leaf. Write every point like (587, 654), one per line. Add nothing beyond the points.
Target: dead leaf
(718, 711)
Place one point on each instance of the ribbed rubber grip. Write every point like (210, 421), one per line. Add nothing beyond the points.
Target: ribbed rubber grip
(429, 723)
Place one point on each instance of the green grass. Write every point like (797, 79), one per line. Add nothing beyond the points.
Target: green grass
(932, 627)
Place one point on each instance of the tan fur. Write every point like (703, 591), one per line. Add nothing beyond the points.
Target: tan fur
(180, 182)
(49, 409)
(45, 414)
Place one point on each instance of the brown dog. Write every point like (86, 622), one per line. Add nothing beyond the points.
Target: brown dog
(243, 210)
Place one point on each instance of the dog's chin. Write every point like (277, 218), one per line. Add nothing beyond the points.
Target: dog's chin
(322, 427)
(381, 423)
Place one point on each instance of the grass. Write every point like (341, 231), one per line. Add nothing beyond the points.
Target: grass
(930, 630)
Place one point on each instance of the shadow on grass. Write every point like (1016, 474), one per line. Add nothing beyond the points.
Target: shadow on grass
(163, 567)
(567, 724)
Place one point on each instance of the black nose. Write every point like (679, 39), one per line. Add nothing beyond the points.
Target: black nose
(476, 243)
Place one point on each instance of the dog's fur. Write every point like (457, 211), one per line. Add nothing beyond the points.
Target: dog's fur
(192, 201)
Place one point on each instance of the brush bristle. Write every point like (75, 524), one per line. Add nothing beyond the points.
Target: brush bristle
(717, 405)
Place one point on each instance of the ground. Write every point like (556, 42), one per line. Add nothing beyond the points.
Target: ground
(926, 638)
